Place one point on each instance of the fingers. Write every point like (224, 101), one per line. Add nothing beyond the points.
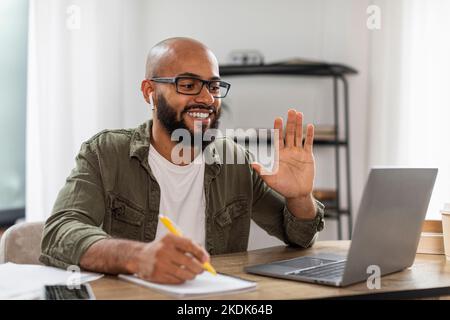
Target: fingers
(182, 273)
(162, 271)
(298, 129)
(170, 279)
(309, 138)
(183, 265)
(267, 177)
(290, 128)
(173, 273)
(171, 259)
(168, 275)
(180, 258)
(188, 246)
(278, 126)
(294, 132)
(192, 264)
(257, 167)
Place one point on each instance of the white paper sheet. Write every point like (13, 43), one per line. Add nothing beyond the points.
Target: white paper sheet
(26, 281)
(203, 285)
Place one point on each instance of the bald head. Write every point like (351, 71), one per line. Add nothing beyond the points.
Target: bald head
(168, 53)
(182, 62)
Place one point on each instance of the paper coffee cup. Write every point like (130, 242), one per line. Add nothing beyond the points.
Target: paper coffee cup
(446, 229)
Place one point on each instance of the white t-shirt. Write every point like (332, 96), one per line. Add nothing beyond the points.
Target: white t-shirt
(182, 195)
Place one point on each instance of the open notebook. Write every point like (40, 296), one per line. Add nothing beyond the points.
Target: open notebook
(26, 281)
(203, 285)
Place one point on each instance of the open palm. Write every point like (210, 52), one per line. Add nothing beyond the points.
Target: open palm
(294, 170)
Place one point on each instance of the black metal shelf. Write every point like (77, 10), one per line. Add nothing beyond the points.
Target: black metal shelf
(338, 73)
(309, 69)
(317, 142)
(333, 214)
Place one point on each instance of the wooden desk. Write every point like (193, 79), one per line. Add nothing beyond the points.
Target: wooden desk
(429, 272)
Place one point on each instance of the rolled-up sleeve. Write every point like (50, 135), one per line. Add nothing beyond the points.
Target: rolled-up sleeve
(303, 232)
(77, 216)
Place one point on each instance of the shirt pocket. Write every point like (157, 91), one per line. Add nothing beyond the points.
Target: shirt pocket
(232, 210)
(127, 219)
(232, 226)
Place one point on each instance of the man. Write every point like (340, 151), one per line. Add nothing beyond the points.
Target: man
(105, 218)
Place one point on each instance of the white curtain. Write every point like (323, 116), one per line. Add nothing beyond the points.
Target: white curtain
(85, 63)
(410, 90)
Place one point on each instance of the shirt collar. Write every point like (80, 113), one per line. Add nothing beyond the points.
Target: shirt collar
(140, 146)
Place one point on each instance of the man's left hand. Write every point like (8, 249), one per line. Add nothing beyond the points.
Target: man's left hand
(294, 170)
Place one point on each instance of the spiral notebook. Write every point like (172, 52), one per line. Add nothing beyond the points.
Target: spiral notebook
(204, 284)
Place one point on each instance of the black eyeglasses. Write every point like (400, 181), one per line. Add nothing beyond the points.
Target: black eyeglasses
(193, 86)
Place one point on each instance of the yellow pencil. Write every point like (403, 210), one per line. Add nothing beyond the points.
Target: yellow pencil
(171, 226)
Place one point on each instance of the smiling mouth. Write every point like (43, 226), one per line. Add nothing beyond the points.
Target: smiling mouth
(200, 114)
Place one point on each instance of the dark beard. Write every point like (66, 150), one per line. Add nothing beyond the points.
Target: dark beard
(167, 115)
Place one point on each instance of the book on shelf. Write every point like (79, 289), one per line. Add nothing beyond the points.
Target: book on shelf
(432, 238)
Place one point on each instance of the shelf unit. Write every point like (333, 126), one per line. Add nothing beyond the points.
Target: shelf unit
(338, 73)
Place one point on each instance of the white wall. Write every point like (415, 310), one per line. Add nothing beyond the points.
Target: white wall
(328, 30)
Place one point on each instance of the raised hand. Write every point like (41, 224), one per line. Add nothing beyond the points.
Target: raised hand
(294, 172)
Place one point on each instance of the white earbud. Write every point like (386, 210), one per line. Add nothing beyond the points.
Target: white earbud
(152, 104)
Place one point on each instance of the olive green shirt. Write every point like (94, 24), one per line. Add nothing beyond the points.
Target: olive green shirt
(112, 192)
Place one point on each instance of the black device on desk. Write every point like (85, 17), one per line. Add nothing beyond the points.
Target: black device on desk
(63, 292)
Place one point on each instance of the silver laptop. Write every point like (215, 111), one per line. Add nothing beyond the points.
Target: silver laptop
(386, 233)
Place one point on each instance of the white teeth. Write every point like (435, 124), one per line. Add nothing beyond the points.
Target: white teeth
(200, 115)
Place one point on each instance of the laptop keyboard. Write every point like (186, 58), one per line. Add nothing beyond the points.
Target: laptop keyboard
(329, 271)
